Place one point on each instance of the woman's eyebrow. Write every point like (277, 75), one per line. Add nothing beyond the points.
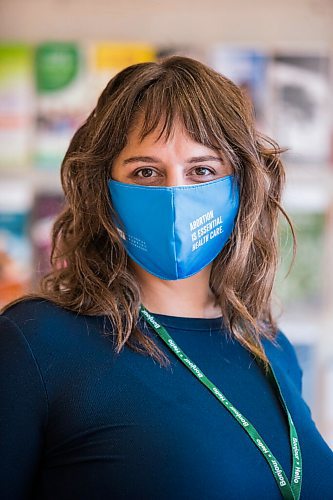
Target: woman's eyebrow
(152, 159)
(147, 159)
(198, 159)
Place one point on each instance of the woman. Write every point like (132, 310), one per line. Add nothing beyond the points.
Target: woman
(172, 201)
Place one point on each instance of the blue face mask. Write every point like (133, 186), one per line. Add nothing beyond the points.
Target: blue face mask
(174, 232)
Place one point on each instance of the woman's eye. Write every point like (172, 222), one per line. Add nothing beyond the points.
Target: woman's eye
(145, 172)
(203, 171)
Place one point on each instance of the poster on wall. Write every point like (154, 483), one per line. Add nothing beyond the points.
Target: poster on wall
(45, 209)
(303, 290)
(16, 105)
(248, 69)
(15, 246)
(61, 107)
(300, 115)
(106, 59)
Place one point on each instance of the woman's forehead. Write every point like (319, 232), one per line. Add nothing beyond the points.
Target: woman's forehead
(147, 127)
(139, 132)
(161, 127)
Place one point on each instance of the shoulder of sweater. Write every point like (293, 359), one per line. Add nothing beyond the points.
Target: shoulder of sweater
(31, 309)
(36, 315)
(281, 347)
(281, 353)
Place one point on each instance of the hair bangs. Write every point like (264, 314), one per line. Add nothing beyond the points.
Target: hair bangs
(164, 103)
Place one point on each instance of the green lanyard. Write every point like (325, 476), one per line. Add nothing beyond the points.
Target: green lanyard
(289, 492)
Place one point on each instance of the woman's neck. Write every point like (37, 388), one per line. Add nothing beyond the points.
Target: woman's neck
(190, 297)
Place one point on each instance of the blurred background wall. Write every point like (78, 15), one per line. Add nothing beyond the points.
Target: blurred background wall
(57, 55)
(188, 21)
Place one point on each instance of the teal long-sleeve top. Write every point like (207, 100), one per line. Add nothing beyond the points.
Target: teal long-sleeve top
(79, 422)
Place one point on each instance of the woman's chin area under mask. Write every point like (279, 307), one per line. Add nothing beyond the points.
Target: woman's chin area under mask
(189, 297)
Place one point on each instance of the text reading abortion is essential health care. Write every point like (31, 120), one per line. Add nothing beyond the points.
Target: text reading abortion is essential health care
(205, 228)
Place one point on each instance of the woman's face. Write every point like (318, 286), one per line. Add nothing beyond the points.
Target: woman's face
(175, 162)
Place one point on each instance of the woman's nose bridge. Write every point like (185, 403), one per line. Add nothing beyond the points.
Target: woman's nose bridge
(175, 175)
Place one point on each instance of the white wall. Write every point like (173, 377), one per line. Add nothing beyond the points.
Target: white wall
(301, 22)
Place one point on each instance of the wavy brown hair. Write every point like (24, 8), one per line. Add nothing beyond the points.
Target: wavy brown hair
(90, 272)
